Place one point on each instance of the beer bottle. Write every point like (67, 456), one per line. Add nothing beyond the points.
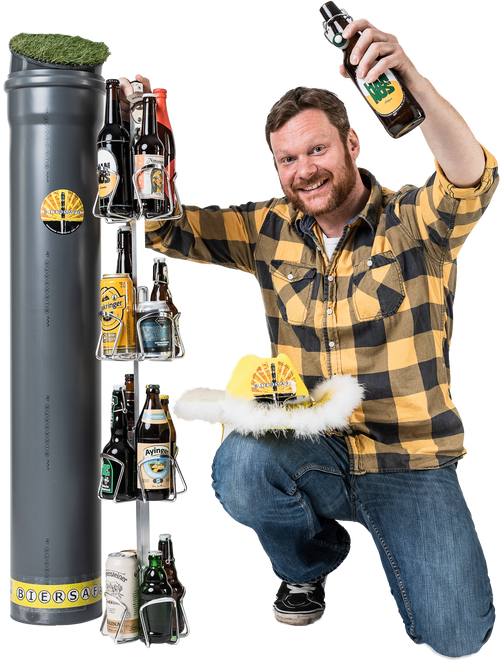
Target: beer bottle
(114, 161)
(124, 249)
(168, 564)
(153, 447)
(165, 133)
(164, 398)
(389, 98)
(118, 448)
(161, 292)
(130, 401)
(149, 151)
(158, 617)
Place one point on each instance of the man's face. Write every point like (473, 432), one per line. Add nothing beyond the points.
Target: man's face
(316, 170)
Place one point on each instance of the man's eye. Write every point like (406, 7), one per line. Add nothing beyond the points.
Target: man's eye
(287, 160)
(318, 149)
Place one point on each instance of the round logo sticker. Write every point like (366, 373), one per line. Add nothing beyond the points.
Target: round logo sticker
(384, 95)
(62, 212)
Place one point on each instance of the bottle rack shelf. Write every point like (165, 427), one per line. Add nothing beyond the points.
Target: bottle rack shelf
(175, 350)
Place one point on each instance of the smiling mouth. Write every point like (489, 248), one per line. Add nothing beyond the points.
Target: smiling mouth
(313, 187)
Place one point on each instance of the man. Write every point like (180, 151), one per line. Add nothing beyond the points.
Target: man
(358, 279)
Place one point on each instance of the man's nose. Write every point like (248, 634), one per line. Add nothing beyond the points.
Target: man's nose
(306, 168)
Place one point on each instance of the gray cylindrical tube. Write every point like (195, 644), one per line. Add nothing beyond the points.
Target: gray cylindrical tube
(54, 116)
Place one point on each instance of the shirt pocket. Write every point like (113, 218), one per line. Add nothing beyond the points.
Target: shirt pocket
(377, 287)
(293, 284)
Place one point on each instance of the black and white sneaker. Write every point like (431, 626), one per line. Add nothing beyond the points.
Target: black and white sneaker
(300, 604)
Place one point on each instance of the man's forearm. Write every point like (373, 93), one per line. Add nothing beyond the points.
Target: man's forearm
(448, 136)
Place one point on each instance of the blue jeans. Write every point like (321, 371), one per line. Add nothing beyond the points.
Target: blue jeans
(293, 492)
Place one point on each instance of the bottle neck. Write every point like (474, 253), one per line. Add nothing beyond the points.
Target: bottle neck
(124, 262)
(155, 562)
(113, 113)
(149, 124)
(118, 415)
(167, 551)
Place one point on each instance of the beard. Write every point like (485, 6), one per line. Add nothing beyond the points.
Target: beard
(343, 182)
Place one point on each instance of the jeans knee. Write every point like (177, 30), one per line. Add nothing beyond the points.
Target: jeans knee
(454, 638)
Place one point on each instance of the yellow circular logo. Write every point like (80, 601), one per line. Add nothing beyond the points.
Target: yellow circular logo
(384, 95)
(62, 211)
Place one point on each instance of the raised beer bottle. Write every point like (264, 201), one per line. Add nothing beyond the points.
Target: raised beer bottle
(114, 159)
(388, 97)
(153, 447)
(149, 151)
(124, 249)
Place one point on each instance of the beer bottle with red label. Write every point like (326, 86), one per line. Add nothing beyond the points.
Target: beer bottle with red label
(165, 134)
(114, 159)
(388, 97)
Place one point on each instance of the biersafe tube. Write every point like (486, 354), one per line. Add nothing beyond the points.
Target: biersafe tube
(54, 115)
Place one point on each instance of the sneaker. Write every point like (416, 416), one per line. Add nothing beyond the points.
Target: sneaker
(300, 603)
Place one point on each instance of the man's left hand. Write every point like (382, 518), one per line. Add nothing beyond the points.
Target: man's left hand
(376, 52)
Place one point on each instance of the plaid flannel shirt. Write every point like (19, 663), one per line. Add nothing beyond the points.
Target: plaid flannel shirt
(379, 309)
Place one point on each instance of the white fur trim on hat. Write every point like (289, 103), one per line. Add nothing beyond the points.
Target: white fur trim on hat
(334, 401)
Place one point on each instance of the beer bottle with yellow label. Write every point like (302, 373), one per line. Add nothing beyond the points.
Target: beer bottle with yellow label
(389, 98)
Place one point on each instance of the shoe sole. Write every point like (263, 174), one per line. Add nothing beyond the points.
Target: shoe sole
(298, 619)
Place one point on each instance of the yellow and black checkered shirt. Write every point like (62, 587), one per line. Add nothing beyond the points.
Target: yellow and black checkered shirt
(379, 309)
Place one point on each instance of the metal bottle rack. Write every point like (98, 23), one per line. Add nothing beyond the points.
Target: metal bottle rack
(142, 505)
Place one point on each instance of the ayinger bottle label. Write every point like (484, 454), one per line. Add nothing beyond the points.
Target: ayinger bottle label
(155, 469)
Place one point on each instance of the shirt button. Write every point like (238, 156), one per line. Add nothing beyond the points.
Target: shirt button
(331, 344)
(369, 263)
(330, 278)
(328, 311)
(290, 276)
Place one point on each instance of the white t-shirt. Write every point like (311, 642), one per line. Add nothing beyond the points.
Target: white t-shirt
(330, 244)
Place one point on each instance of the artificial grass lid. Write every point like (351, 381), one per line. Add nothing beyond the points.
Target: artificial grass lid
(59, 49)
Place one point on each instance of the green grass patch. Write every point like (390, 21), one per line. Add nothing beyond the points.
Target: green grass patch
(60, 49)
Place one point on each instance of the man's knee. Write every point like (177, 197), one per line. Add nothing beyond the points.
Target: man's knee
(454, 636)
(235, 475)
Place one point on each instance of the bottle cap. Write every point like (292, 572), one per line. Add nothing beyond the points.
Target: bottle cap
(339, 41)
(148, 94)
(153, 552)
(164, 538)
(164, 396)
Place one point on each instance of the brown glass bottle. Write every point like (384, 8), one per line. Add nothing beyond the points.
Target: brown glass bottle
(124, 249)
(161, 292)
(114, 158)
(149, 151)
(388, 97)
(153, 447)
(166, 546)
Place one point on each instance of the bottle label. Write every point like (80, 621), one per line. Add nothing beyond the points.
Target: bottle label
(107, 484)
(154, 416)
(150, 180)
(156, 335)
(107, 169)
(156, 466)
(385, 95)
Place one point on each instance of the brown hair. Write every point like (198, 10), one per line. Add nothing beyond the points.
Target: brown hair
(299, 99)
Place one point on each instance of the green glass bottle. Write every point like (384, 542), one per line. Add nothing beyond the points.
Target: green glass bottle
(157, 617)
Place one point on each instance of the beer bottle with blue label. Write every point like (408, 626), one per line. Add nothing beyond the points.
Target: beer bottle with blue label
(388, 97)
(153, 449)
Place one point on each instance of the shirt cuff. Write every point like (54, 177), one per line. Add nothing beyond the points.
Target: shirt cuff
(470, 192)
